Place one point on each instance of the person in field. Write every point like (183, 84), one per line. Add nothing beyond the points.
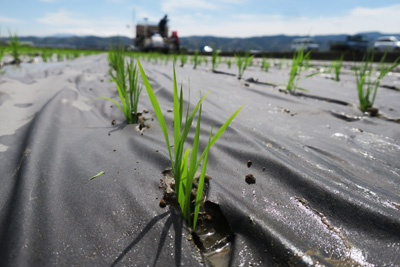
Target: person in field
(162, 26)
(174, 40)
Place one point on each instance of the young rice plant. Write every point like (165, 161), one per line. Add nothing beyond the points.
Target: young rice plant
(196, 59)
(183, 167)
(229, 62)
(115, 56)
(337, 66)
(183, 58)
(128, 93)
(298, 61)
(174, 58)
(265, 64)
(365, 84)
(243, 62)
(15, 46)
(2, 49)
(1, 54)
(214, 59)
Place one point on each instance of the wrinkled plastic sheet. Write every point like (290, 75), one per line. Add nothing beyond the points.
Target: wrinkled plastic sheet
(327, 189)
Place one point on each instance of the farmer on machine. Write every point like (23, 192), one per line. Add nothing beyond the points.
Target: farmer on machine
(174, 40)
(162, 25)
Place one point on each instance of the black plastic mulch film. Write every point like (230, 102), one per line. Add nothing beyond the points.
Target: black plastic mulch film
(326, 191)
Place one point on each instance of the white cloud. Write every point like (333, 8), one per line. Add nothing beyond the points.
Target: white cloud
(116, 1)
(150, 17)
(170, 6)
(232, 1)
(384, 19)
(61, 18)
(64, 21)
(177, 6)
(9, 20)
(103, 32)
(203, 22)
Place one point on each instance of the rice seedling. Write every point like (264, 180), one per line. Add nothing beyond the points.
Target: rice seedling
(155, 59)
(242, 62)
(219, 59)
(1, 53)
(183, 167)
(167, 58)
(76, 54)
(250, 63)
(214, 59)
(196, 59)
(280, 65)
(129, 93)
(148, 57)
(366, 85)
(68, 56)
(162, 57)
(205, 60)
(15, 45)
(263, 61)
(2, 50)
(115, 56)
(183, 58)
(306, 62)
(174, 58)
(337, 66)
(229, 62)
(46, 55)
(297, 63)
(265, 64)
(60, 56)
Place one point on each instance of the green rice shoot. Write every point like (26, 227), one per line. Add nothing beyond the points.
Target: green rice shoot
(184, 167)
(242, 62)
(229, 62)
(214, 58)
(2, 50)
(337, 66)
(196, 59)
(298, 61)
(265, 64)
(183, 59)
(126, 80)
(367, 87)
(15, 45)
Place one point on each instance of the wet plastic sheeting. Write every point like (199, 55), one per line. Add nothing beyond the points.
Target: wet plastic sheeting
(327, 190)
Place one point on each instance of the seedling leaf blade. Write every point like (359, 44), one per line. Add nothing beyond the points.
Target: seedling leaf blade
(112, 100)
(220, 132)
(157, 109)
(201, 183)
(177, 117)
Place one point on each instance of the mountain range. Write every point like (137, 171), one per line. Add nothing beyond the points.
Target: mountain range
(261, 43)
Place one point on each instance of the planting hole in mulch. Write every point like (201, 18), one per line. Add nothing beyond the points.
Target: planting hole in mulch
(213, 235)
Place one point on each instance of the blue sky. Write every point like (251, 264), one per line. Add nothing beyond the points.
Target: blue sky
(226, 18)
